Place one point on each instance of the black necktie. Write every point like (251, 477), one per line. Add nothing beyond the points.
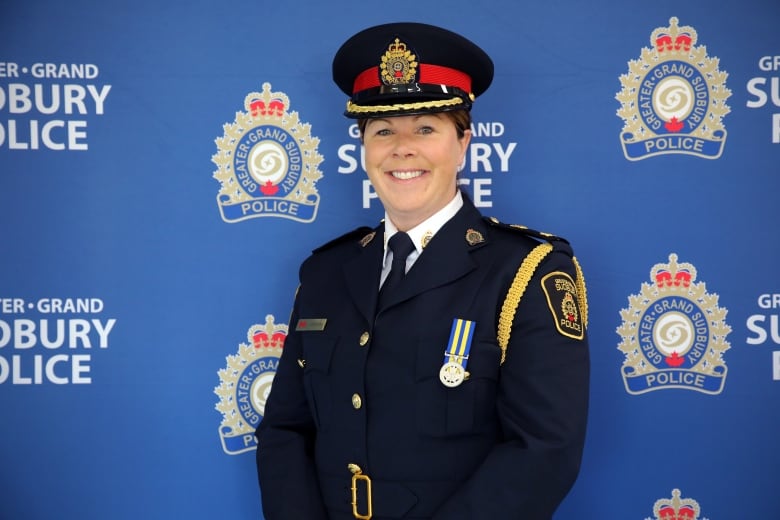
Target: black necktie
(401, 245)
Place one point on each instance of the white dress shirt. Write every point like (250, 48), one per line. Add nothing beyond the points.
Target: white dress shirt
(421, 234)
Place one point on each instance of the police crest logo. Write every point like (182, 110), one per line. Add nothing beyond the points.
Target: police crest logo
(246, 383)
(673, 99)
(398, 64)
(674, 334)
(267, 162)
(676, 508)
(561, 293)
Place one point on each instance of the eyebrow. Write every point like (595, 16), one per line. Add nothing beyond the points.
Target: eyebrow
(416, 117)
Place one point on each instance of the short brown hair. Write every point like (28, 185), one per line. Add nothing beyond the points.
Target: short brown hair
(460, 118)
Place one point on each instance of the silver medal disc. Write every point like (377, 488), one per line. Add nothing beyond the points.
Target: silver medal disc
(452, 374)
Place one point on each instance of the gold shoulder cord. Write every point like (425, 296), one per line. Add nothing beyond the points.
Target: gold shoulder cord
(582, 293)
(516, 290)
(518, 287)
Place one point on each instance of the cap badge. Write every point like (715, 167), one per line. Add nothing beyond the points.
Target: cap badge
(399, 65)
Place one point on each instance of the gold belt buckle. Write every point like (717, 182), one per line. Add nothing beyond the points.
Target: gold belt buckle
(357, 475)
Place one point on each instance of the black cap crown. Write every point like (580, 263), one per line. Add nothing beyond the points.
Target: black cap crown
(410, 68)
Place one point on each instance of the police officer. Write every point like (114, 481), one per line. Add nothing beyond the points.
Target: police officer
(459, 390)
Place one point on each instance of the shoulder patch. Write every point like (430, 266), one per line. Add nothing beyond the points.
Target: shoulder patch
(541, 235)
(362, 235)
(562, 299)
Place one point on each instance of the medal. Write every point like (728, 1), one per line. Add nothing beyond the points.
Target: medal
(452, 374)
(453, 370)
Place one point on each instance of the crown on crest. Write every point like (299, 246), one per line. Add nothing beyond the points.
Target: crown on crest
(673, 38)
(569, 307)
(397, 48)
(676, 508)
(673, 274)
(268, 335)
(399, 65)
(267, 104)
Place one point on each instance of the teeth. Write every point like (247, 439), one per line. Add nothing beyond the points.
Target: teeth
(406, 175)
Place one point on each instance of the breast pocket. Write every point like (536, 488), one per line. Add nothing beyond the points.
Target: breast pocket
(468, 408)
(318, 352)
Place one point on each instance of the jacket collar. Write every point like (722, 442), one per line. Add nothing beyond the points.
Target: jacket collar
(446, 257)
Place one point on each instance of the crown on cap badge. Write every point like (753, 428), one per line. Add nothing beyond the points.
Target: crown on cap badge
(399, 65)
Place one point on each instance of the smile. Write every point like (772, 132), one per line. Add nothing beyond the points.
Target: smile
(406, 175)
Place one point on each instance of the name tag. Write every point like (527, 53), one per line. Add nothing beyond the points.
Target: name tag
(305, 324)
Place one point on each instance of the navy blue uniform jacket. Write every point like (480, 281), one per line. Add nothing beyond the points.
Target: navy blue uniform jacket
(505, 444)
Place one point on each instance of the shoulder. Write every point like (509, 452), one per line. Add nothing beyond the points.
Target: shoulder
(337, 251)
(357, 237)
(521, 232)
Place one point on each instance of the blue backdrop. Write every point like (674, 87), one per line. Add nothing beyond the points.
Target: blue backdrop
(149, 261)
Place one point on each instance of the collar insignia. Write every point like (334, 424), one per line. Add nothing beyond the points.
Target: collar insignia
(427, 236)
(474, 237)
(367, 239)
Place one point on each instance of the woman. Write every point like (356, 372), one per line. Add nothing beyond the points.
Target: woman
(461, 391)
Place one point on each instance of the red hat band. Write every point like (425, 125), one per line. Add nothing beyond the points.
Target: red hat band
(429, 75)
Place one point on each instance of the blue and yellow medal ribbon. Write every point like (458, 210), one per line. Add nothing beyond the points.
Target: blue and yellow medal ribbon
(460, 342)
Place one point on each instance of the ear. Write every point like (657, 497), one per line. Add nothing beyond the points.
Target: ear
(464, 144)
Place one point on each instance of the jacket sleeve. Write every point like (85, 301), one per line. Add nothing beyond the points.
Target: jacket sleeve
(285, 442)
(542, 406)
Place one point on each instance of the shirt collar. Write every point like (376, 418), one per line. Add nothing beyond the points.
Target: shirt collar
(422, 233)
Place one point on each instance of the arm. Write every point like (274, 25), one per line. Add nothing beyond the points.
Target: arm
(285, 459)
(542, 407)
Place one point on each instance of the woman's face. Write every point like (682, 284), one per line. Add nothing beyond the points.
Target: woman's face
(412, 162)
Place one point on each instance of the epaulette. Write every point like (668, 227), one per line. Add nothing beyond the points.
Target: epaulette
(523, 277)
(541, 235)
(363, 235)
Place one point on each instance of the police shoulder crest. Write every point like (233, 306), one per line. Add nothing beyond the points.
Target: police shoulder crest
(566, 295)
(563, 300)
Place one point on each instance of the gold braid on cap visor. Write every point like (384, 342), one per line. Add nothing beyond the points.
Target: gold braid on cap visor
(352, 108)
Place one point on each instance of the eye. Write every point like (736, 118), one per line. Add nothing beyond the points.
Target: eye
(425, 130)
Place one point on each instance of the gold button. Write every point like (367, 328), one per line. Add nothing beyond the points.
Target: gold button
(357, 402)
(364, 339)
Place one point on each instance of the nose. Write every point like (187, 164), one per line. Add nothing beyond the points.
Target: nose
(404, 146)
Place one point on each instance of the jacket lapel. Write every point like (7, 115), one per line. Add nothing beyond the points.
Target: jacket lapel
(446, 258)
(361, 274)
